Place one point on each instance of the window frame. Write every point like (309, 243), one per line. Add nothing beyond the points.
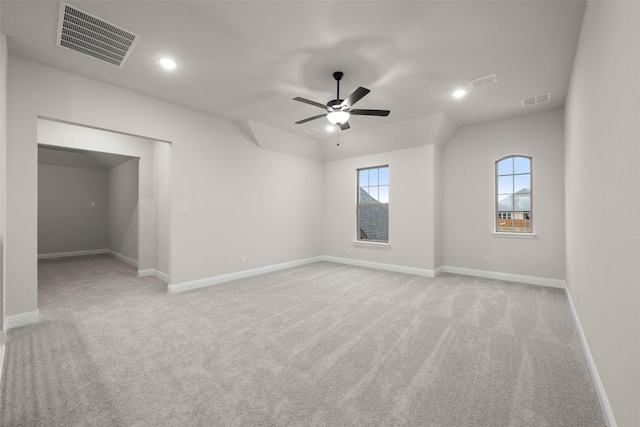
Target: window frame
(358, 205)
(512, 214)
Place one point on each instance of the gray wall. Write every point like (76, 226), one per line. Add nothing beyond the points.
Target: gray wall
(3, 168)
(66, 220)
(468, 196)
(123, 209)
(603, 197)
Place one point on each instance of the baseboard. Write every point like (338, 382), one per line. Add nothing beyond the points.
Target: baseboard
(380, 266)
(73, 253)
(600, 392)
(23, 319)
(216, 280)
(518, 278)
(153, 272)
(125, 259)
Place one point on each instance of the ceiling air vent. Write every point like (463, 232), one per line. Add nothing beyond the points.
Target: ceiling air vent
(483, 81)
(312, 130)
(539, 99)
(84, 33)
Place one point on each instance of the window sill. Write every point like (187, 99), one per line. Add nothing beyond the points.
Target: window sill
(379, 245)
(510, 235)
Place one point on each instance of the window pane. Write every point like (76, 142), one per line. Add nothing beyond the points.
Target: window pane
(505, 167)
(384, 176)
(364, 178)
(522, 184)
(364, 195)
(505, 184)
(373, 192)
(505, 203)
(521, 202)
(373, 221)
(383, 195)
(373, 177)
(522, 165)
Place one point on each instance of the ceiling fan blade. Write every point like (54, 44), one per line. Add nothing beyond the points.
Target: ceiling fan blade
(310, 118)
(369, 112)
(357, 95)
(308, 101)
(345, 126)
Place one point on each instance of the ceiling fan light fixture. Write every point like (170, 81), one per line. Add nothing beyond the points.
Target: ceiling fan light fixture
(338, 117)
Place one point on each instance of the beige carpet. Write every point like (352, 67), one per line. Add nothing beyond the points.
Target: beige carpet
(319, 345)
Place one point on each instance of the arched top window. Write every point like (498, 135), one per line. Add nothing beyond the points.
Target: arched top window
(514, 195)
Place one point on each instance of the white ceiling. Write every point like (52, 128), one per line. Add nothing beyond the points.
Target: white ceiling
(246, 60)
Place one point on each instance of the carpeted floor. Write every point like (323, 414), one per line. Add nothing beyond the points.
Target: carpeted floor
(319, 345)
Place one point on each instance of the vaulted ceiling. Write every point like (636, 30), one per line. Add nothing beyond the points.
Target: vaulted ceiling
(246, 60)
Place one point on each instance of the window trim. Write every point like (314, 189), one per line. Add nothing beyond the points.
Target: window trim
(357, 240)
(513, 233)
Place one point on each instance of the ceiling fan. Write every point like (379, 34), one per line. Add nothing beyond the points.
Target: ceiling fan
(339, 110)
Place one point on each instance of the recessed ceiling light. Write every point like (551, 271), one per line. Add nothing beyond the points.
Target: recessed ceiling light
(459, 93)
(167, 63)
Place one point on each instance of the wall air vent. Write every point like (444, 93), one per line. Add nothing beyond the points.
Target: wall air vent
(84, 33)
(534, 100)
(483, 81)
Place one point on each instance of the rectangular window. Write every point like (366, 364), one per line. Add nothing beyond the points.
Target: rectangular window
(513, 194)
(373, 204)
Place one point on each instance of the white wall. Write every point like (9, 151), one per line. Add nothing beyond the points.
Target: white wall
(603, 197)
(67, 222)
(411, 209)
(468, 173)
(4, 59)
(123, 209)
(241, 200)
(161, 196)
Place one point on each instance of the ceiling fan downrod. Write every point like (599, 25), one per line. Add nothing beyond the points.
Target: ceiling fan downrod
(338, 76)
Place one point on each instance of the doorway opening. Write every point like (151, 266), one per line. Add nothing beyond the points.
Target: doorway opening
(102, 191)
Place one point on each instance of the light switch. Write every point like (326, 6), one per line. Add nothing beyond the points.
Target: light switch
(183, 209)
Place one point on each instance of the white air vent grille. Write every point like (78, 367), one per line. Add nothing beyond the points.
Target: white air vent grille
(483, 81)
(534, 100)
(84, 33)
(312, 130)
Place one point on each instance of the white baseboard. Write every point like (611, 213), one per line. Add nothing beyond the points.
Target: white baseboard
(153, 272)
(380, 266)
(216, 280)
(518, 278)
(23, 319)
(73, 253)
(125, 259)
(602, 395)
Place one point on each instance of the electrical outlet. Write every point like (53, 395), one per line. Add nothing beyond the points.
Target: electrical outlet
(243, 259)
(487, 259)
